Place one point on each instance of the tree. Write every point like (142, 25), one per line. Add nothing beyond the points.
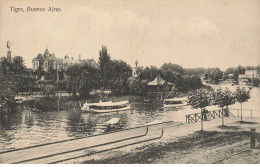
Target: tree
(213, 74)
(7, 91)
(83, 78)
(39, 73)
(175, 68)
(242, 96)
(119, 80)
(51, 74)
(194, 71)
(104, 63)
(138, 87)
(200, 99)
(223, 99)
(49, 91)
(256, 82)
(148, 73)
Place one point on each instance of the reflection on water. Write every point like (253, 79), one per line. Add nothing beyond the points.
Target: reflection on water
(25, 128)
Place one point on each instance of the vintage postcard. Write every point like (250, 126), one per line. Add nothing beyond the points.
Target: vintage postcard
(129, 82)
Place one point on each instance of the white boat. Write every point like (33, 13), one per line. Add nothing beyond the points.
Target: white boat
(105, 107)
(175, 102)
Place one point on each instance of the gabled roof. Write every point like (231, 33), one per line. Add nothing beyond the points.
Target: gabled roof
(158, 81)
(91, 62)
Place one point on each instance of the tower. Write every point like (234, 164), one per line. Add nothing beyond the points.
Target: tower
(134, 73)
(9, 55)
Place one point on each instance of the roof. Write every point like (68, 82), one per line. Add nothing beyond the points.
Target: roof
(158, 81)
(46, 51)
(91, 62)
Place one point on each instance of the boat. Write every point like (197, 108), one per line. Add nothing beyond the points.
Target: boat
(106, 107)
(112, 124)
(154, 122)
(175, 102)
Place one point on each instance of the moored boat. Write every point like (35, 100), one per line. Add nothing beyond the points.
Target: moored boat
(175, 102)
(105, 107)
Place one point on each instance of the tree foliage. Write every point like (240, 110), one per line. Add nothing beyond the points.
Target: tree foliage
(213, 74)
(49, 91)
(223, 98)
(194, 71)
(14, 78)
(104, 60)
(82, 79)
(242, 96)
(119, 78)
(200, 99)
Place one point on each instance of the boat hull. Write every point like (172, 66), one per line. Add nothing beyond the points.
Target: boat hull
(107, 110)
(174, 105)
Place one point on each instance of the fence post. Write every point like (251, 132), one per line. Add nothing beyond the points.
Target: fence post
(222, 117)
(238, 113)
(252, 137)
(251, 114)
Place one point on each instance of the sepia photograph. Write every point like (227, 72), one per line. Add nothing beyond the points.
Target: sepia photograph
(129, 82)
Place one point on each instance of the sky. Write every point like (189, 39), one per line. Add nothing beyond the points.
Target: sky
(201, 33)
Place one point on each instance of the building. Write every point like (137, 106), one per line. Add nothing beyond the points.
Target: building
(230, 78)
(69, 61)
(252, 74)
(159, 85)
(48, 60)
(242, 79)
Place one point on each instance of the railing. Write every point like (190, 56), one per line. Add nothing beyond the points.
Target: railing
(236, 109)
(195, 117)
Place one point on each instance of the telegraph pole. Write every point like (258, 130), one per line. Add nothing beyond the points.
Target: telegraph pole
(57, 85)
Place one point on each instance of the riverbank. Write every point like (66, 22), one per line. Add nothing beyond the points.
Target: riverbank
(219, 144)
(44, 104)
(68, 102)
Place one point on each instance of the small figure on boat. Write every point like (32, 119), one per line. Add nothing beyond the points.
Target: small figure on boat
(108, 127)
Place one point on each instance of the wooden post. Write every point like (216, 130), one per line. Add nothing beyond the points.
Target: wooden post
(252, 138)
(251, 114)
(238, 113)
(241, 112)
(222, 117)
(201, 121)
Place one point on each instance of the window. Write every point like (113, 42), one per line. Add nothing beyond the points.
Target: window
(54, 64)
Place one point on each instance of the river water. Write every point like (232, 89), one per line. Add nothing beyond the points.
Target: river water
(25, 128)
